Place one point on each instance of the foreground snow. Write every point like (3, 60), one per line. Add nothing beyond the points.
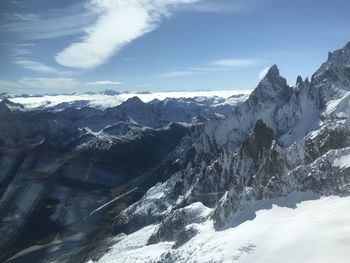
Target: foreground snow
(103, 101)
(310, 231)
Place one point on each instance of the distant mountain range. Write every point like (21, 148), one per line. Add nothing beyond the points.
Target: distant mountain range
(111, 98)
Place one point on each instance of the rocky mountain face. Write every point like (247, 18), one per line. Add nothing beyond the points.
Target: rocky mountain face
(64, 174)
(282, 140)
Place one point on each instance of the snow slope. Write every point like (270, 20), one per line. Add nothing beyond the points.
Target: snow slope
(313, 231)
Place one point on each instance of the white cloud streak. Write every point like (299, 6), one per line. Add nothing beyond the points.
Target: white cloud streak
(215, 66)
(50, 85)
(22, 53)
(28, 84)
(183, 73)
(119, 23)
(22, 49)
(102, 83)
(263, 73)
(21, 17)
(220, 6)
(236, 63)
(35, 66)
(54, 23)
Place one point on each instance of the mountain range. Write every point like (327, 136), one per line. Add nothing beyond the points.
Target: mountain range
(147, 182)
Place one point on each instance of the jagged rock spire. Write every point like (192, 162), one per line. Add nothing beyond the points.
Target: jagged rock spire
(272, 73)
(273, 76)
(271, 86)
(299, 80)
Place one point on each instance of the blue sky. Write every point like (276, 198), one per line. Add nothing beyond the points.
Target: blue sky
(157, 45)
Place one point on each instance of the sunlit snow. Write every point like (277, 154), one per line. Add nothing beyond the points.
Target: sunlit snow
(316, 231)
(343, 161)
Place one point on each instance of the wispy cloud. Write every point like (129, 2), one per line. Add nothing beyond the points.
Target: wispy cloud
(215, 66)
(103, 82)
(236, 63)
(263, 73)
(130, 59)
(22, 55)
(35, 66)
(18, 3)
(179, 73)
(54, 23)
(54, 84)
(21, 17)
(119, 23)
(29, 84)
(49, 83)
(23, 49)
(220, 6)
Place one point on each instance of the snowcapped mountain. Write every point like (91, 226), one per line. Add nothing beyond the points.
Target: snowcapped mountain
(283, 140)
(182, 180)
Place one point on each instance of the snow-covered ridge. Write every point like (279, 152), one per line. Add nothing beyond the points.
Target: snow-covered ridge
(103, 101)
(284, 230)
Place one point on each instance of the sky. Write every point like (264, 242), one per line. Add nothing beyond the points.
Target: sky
(163, 45)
